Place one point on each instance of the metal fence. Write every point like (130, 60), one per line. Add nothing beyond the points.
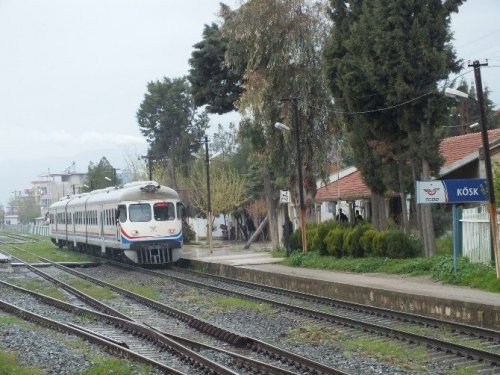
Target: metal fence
(476, 234)
(40, 230)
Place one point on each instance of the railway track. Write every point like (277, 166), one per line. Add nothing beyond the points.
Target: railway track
(117, 336)
(469, 346)
(16, 238)
(248, 354)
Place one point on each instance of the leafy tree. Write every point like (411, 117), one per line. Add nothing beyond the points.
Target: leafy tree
(168, 119)
(100, 175)
(28, 209)
(136, 168)
(276, 44)
(225, 140)
(384, 59)
(227, 187)
(213, 82)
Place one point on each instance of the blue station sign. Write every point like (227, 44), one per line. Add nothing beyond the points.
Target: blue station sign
(452, 191)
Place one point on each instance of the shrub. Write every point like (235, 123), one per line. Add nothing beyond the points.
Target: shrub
(444, 245)
(398, 245)
(296, 240)
(335, 242)
(312, 237)
(379, 244)
(352, 242)
(416, 243)
(188, 234)
(322, 231)
(366, 241)
(296, 258)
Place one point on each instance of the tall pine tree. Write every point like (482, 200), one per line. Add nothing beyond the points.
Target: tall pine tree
(384, 60)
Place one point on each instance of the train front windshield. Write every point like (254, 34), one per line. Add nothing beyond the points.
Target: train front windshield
(140, 212)
(164, 211)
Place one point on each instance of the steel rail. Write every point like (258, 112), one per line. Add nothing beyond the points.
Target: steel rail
(109, 346)
(209, 328)
(83, 296)
(137, 328)
(465, 329)
(458, 349)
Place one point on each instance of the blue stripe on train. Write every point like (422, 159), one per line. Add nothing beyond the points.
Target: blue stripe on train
(177, 237)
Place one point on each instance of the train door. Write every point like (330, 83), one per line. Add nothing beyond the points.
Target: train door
(101, 229)
(121, 217)
(73, 226)
(67, 222)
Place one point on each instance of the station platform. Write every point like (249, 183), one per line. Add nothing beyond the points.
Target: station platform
(419, 295)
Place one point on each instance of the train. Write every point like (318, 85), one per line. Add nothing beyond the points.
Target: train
(140, 222)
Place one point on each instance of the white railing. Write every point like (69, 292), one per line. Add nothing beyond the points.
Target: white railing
(39, 230)
(476, 235)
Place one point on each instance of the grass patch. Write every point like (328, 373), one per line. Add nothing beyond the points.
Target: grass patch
(11, 319)
(224, 303)
(278, 253)
(148, 291)
(220, 304)
(386, 351)
(444, 334)
(40, 286)
(93, 290)
(78, 344)
(10, 365)
(440, 268)
(313, 334)
(461, 371)
(415, 359)
(107, 366)
(46, 249)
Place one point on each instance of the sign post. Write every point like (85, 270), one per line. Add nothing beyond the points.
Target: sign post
(452, 191)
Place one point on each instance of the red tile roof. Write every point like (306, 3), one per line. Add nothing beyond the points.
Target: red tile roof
(346, 188)
(456, 148)
(453, 149)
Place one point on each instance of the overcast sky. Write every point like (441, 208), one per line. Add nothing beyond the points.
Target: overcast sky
(74, 72)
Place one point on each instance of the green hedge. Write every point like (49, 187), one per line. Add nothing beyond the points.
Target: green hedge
(335, 242)
(331, 238)
(352, 240)
(317, 235)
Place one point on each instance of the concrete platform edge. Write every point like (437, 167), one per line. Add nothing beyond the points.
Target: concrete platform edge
(454, 310)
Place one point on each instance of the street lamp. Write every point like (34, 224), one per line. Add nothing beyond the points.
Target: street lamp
(281, 126)
(487, 159)
(452, 93)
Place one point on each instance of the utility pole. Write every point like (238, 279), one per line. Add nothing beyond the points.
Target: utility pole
(487, 163)
(149, 158)
(209, 201)
(296, 129)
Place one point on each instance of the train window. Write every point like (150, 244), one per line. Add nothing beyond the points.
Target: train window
(122, 214)
(181, 211)
(140, 212)
(164, 211)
